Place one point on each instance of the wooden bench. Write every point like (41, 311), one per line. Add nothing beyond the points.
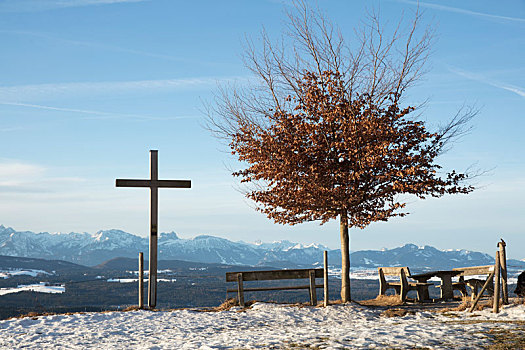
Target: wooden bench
(403, 286)
(473, 283)
(271, 275)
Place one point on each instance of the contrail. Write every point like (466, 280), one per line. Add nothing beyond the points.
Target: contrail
(460, 10)
(106, 115)
(477, 77)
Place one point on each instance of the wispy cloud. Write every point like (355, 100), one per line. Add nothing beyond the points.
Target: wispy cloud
(483, 79)
(28, 92)
(20, 177)
(12, 128)
(90, 44)
(100, 114)
(463, 11)
(43, 5)
(10, 170)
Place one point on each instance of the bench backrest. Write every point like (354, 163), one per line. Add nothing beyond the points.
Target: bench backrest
(393, 271)
(273, 275)
(475, 270)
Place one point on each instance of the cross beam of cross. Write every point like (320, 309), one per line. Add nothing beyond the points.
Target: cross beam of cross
(154, 184)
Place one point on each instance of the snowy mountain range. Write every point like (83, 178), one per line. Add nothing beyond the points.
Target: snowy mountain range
(93, 249)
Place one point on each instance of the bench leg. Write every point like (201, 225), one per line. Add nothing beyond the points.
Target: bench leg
(240, 290)
(422, 293)
(474, 291)
(446, 288)
(463, 291)
(403, 294)
(382, 288)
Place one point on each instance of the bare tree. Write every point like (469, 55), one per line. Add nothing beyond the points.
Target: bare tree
(323, 132)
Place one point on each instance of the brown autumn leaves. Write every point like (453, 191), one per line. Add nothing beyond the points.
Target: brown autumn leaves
(332, 155)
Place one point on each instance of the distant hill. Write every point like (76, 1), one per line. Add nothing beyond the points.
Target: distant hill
(130, 264)
(59, 266)
(425, 257)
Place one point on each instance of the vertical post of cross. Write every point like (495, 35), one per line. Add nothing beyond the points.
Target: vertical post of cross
(154, 194)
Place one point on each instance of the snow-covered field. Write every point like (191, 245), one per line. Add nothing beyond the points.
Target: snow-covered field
(18, 272)
(264, 326)
(41, 287)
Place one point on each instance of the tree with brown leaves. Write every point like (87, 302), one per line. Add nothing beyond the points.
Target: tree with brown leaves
(324, 136)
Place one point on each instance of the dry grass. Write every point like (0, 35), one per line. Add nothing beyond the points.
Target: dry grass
(517, 301)
(507, 338)
(34, 315)
(132, 308)
(467, 303)
(396, 313)
(383, 300)
(227, 305)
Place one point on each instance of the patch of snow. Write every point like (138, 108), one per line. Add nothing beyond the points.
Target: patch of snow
(42, 287)
(264, 326)
(17, 272)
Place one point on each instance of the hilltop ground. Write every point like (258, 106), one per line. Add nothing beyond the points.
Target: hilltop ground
(274, 326)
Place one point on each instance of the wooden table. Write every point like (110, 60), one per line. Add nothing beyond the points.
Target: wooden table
(446, 281)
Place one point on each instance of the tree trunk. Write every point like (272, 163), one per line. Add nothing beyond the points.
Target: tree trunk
(345, 258)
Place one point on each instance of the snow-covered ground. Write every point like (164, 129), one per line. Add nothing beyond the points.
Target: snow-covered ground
(18, 272)
(41, 287)
(263, 326)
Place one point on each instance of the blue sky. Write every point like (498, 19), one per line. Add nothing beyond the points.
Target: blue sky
(88, 87)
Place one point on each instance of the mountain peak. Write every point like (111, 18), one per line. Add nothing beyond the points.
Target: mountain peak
(104, 235)
(410, 246)
(169, 236)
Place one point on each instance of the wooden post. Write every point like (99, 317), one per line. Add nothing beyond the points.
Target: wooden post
(240, 290)
(404, 285)
(503, 264)
(141, 280)
(313, 292)
(325, 278)
(487, 282)
(495, 304)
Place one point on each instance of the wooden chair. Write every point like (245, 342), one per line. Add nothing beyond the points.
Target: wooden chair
(473, 283)
(403, 286)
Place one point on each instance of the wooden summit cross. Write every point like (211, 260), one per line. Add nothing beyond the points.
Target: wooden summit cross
(153, 183)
